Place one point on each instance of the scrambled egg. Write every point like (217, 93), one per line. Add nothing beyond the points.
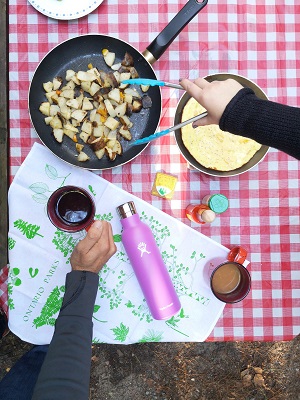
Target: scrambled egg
(212, 147)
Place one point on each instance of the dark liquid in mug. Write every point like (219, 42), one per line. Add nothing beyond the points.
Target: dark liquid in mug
(73, 207)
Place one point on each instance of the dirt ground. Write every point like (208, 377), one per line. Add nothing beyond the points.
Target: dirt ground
(186, 371)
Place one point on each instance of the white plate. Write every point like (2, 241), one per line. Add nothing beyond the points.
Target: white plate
(65, 9)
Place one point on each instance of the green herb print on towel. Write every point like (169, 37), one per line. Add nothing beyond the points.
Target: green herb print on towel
(13, 280)
(120, 332)
(151, 336)
(27, 229)
(51, 307)
(11, 243)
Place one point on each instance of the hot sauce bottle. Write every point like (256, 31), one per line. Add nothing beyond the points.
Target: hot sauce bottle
(200, 213)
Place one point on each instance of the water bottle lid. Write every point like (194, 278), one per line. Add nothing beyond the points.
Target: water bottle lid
(126, 210)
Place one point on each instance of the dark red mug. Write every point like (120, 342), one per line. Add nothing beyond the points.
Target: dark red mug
(230, 281)
(71, 209)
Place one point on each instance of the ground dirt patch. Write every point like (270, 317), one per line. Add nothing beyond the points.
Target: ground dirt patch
(186, 371)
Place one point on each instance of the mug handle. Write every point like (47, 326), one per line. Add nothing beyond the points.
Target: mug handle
(237, 254)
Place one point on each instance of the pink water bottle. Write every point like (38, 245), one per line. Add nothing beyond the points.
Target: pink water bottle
(147, 263)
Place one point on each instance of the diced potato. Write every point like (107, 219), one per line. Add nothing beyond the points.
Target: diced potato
(70, 127)
(80, 100)
(115, 95)
(54, 109)
(132, 92)
(70, 74)
(99, 130)
(94, 88)
(69, 85)
(84, 136)
(71, 135)
(111, 123)
(121, 110)
(86, 104)
(49, 96)
(73, 103)
(76, 80)
(61, 101)
(111, 155)
(86, 76)
(109, 57)
(87, 127)
(126, 122)
(112, 135)
(117, 76)
(45, 108)
(65, 112)
(125, 133)
(94, 71)
(100, 153)
(93, 114)
(128, 98)
(97, 118)
(48, 86)
(110, 108)
(106, 131)
(56, 123)
(68, 93)
(145, 88)
(86, 86)
(79, 115)
(82, 156)
(48, 120)
(58, 134)
(117, 148)
(110, 143)
(79, 147)
(57, 82)
(115, 67)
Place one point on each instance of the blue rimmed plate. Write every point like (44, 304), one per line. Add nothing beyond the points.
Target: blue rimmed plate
(65, 9)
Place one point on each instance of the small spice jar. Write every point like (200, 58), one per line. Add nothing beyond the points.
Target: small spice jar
(216, 202)
(194, 213)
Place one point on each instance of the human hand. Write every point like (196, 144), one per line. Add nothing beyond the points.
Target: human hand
(92, 252)
(213, 96)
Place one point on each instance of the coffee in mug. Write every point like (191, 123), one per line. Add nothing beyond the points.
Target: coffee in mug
(230, 282)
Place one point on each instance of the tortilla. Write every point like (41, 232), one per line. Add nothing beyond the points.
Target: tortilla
(212, 147)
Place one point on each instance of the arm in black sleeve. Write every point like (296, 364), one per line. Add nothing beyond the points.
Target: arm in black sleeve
(65, 373)
(269, 123)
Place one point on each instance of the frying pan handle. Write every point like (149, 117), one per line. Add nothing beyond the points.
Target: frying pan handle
(172, 30)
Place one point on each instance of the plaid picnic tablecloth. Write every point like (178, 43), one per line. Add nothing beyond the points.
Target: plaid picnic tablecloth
(258, 39)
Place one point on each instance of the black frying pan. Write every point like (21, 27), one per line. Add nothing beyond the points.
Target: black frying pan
(76, 54)
(194, 164)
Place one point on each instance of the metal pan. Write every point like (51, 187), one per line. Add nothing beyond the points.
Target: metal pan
(193, 163)
(76, 54)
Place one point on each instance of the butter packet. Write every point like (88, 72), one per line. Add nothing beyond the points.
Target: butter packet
(164, 185)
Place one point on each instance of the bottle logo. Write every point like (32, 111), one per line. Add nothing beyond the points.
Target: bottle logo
(142, 247)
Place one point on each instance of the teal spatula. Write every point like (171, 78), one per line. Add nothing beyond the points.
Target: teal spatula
(151, 82)
(165, 132)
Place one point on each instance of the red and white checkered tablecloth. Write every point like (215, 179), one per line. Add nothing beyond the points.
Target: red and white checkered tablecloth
(258, 39)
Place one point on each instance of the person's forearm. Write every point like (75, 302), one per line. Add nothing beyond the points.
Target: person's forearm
(272, 124)
(65, 373)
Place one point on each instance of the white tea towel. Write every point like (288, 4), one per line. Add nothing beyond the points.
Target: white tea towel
(39, 260)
